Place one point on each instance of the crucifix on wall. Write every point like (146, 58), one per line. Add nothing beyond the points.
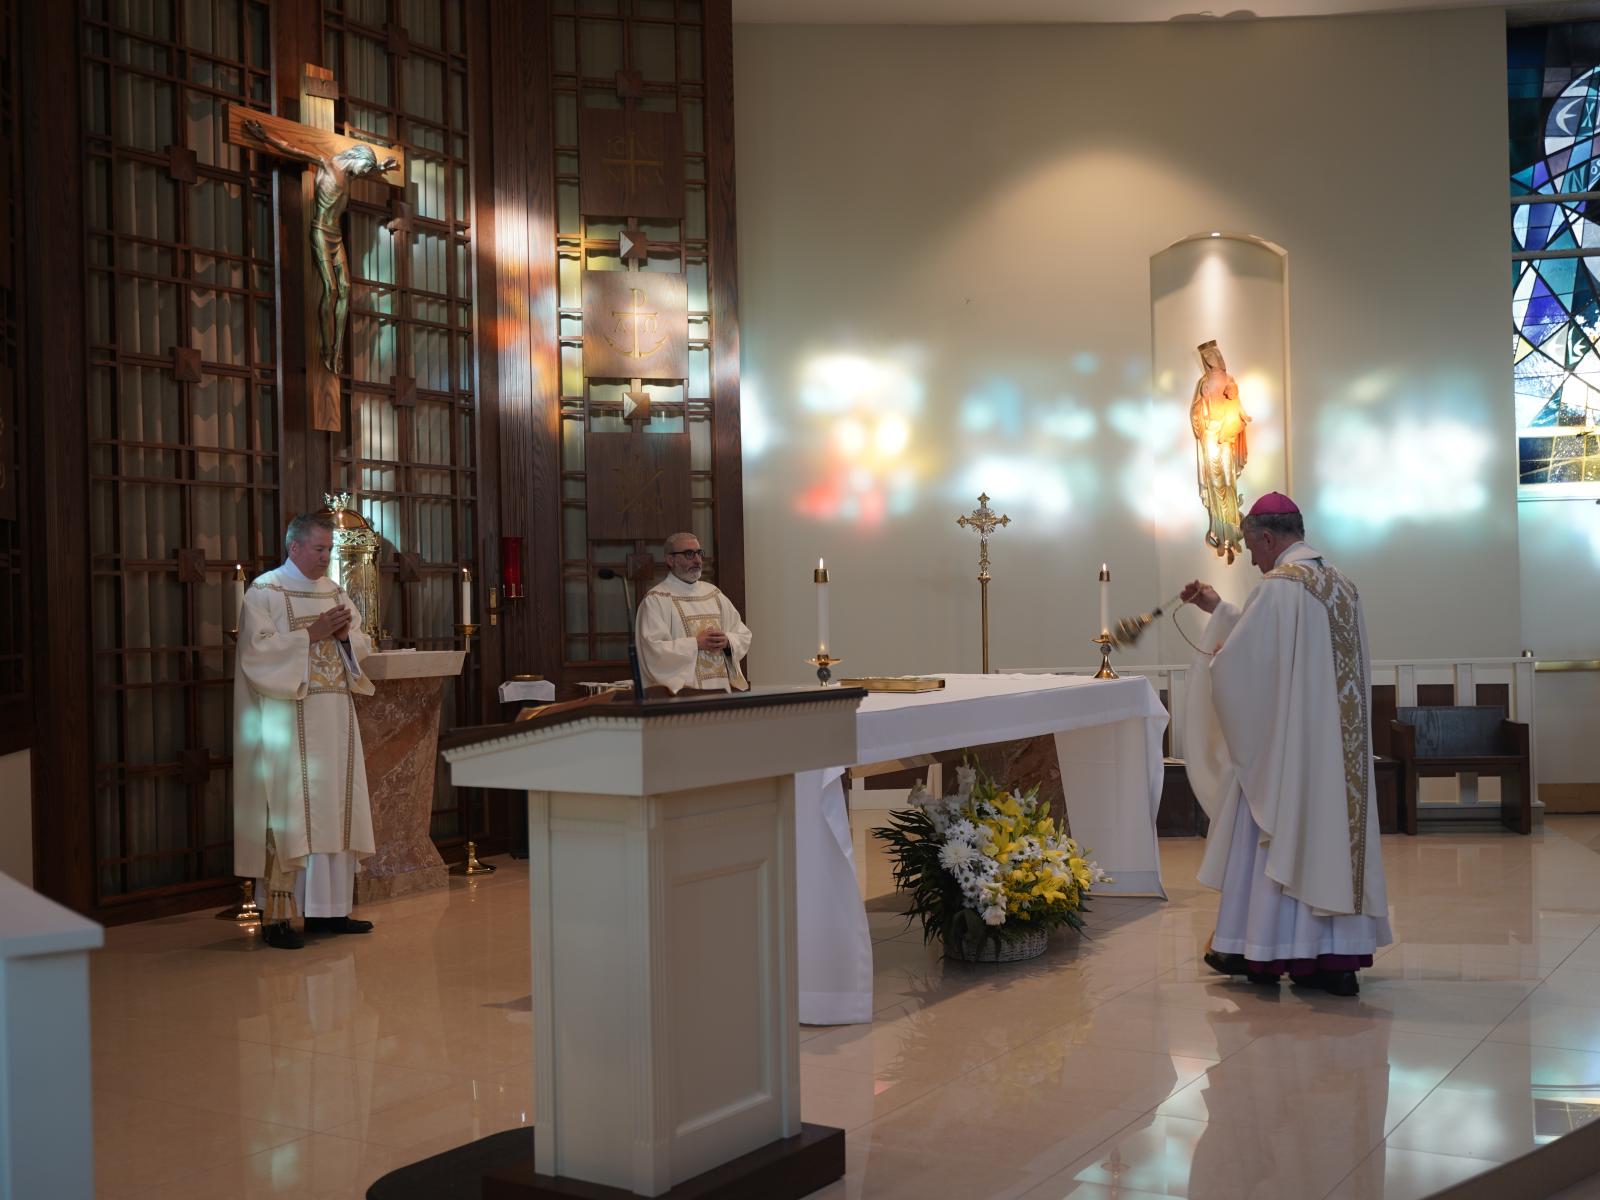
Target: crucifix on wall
(336, 162)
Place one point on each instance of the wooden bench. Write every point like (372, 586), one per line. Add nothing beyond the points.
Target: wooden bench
(1442, 741)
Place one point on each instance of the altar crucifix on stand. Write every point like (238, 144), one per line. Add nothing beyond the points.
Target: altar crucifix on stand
(985, 522)
(324, 194)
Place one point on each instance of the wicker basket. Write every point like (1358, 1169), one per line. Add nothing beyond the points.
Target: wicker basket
(1029, 945)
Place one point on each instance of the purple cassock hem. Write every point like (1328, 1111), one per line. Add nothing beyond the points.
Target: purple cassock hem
(1309, 966)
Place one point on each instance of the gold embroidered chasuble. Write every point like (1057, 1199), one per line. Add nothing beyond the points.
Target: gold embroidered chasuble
(671, 617)
(1278, 718)
(299, 779)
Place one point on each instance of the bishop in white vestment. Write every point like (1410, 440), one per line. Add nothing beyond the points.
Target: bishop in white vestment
(301, 814)
(690, 634)
(1278, 740)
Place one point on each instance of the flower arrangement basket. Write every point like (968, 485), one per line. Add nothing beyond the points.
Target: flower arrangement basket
(986, 870)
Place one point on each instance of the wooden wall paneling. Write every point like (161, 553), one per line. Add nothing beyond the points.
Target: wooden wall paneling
(722, 228)
(525, 344)
(1492, 695)
(1384, 708)
(486, 365)
(54, 348)
(1432, 694)
(18, 571)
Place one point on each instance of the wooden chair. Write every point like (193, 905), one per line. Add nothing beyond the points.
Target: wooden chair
(1447, 740)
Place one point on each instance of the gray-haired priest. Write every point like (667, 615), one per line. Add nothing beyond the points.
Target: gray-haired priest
(301, 819)
(690, 634)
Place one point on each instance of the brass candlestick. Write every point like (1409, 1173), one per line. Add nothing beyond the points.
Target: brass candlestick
(471, 866)
(245, 912)
(467, 630)
(1105, 641)
(985, 522)
(824, 663)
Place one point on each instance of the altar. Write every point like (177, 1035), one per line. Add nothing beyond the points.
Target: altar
(1108, 741)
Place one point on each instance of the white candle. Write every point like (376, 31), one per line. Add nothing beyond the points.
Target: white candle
(238, 592)
(1105, 601)
(466, 596)
(821, 577)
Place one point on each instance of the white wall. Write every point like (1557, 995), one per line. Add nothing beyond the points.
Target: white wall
(945, 238)
(16, 816)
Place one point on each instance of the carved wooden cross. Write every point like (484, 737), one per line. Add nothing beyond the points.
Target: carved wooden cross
(334, 161)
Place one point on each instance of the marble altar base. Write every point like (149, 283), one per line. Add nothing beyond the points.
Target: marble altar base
(400, 739)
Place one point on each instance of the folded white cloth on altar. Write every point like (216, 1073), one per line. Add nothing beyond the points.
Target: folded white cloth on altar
(527, 689)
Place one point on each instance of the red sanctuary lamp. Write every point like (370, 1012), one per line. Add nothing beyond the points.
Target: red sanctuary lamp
(511, 567)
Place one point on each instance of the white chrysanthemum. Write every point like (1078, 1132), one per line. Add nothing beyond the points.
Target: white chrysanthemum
(995, 914)
(963, 830)
(955, 855)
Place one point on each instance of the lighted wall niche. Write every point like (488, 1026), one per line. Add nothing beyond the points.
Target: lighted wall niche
(1231, 289)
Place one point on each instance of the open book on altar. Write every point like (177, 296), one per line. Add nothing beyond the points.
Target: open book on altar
(896, 683)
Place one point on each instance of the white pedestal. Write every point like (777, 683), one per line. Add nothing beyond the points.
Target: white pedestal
(46, 1136)
(662, 861)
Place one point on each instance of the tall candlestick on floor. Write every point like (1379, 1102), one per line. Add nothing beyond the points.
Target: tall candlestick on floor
(985, 522)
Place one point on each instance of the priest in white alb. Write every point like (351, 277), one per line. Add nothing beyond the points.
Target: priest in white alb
(301, 818)
(1278, 743)
(690, 635)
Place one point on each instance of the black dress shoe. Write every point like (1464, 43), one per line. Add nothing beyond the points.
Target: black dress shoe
(282, 936)
(1225, 964)
(1335, 983)
(1339, 983)
(1262, 978)
(337, 925)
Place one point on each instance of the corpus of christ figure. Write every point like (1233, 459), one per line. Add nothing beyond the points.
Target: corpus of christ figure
(334, 173)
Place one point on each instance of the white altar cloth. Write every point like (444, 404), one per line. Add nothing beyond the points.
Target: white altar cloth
(1108, 740)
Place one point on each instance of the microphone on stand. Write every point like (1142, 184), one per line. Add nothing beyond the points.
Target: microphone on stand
(633, 642)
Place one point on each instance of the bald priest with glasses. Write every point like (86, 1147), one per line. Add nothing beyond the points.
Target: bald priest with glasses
(690, 635)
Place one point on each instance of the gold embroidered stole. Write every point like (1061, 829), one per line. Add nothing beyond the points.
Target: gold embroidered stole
(1338, 597)
(708, 665)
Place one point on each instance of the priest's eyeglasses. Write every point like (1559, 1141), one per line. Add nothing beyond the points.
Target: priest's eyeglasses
(687, 553)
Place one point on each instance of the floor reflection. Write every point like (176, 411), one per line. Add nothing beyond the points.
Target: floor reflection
(1113, 1066)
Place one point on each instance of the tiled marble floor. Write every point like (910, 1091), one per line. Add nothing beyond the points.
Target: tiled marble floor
(1111, 1067)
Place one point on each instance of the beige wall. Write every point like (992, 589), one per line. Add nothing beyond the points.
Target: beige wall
(945, 239)
(16, 817)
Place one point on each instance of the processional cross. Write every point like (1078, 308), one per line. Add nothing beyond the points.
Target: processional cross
(336, 162)
(985, 522)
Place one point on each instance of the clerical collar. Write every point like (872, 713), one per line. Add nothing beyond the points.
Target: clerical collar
(684, 588)
(296, 575)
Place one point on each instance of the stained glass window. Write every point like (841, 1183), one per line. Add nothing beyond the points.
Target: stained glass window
(1553, 82)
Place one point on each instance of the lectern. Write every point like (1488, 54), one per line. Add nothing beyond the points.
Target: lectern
(665, 989)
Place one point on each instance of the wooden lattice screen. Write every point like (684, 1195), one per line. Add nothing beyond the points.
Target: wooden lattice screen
(409, 446)
(182, 420)
(674, 54)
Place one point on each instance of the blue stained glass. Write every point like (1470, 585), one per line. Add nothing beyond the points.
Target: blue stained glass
(1553, 94)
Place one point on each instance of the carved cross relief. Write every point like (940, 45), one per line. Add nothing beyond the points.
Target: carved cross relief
(333, 162)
